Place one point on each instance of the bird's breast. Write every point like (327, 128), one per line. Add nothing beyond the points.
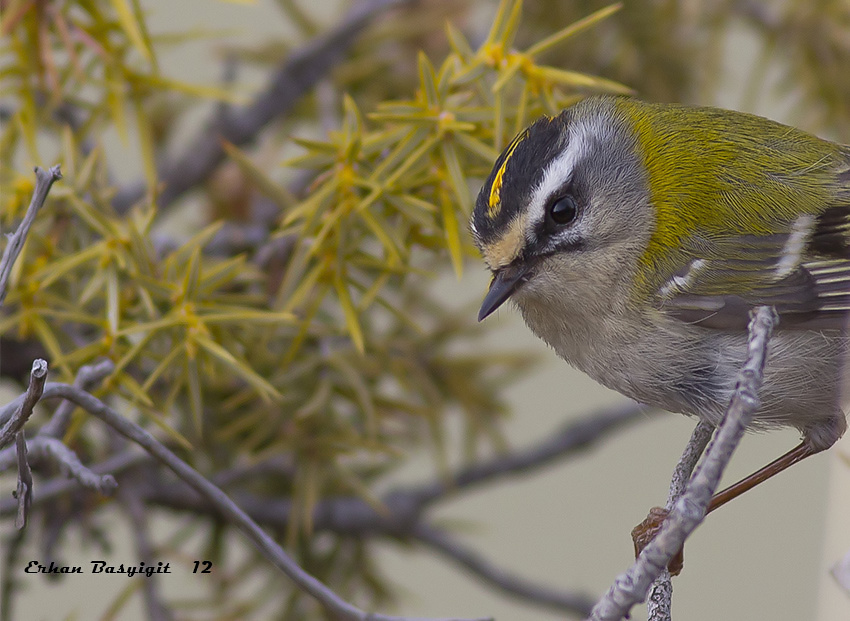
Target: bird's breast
(680, 367)
(637, 354)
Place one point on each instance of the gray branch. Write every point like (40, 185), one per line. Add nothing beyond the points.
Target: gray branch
(560, 601)
(45, 448)
(632, 587)
(23, 493)
(55, 427)
(57, 487)
(11, 551)
(222, 504)
(87, 377)
(688, 461)
(297, 75)
(25, 403)
(659, 603)
(43, 182)
(575, 436)
(135, 509)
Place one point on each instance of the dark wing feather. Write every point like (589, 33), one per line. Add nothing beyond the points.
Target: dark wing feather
(812, 292)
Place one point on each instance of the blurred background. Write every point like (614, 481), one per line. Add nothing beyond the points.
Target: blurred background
(140, 82)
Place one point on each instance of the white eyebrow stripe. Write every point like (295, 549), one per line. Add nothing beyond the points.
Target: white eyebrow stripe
(582, 134)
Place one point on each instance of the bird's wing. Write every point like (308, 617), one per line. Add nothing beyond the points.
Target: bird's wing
(803, 272)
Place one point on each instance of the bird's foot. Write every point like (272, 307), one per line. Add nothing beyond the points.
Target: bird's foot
(646, 531)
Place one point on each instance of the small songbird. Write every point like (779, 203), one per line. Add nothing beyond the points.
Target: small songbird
(635, 238)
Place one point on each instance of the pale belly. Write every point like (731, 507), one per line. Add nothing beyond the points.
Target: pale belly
(664, 363)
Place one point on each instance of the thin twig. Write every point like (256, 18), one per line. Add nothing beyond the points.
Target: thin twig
(659, 603)
(12, 546)
(87, 376)
(700, 438)
(223, 504)
(55, 488)
(54, 522)
(43, 182)
(296, 76)
(23, 412)
(514, 586)
(575, 436)
(135, 509)
(24, 490)
(45, 448)
(632, 587)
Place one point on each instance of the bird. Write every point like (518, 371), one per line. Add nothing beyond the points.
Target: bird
(635, 238)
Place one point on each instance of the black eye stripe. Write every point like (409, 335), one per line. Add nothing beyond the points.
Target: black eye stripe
(543, 248)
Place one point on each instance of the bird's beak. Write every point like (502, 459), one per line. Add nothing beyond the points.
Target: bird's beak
(505, 282)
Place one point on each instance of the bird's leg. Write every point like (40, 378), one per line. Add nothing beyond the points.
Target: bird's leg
(796, 454)
(645, 532)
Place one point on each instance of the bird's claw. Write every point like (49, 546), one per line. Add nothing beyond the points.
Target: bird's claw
(646, 531)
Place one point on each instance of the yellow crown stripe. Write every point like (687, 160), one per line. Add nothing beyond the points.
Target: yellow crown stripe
(496, 188)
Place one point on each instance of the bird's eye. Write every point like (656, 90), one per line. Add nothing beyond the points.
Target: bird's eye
(564, 210)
